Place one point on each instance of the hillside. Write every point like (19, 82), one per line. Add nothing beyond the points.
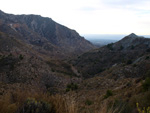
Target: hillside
(44, 34)
(116, 77)
(32, 53)
(48, 68)
(127, 50)
(32, 50)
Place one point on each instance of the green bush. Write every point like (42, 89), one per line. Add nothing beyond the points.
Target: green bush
(52, 70)
(110, 46)
(134, 65)
(147, 73)
(129, 62)
(108, 94)
(8, 60)
(121, 47)
(88, 102)
(144, 110)
(146, 84)
(132, 47)
(71, 87)
(147, 57)
(33, 106)
(21, 57)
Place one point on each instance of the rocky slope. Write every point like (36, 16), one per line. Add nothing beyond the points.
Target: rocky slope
(32, 69)
(31, 47)
(124, 82)
(44, 34)
(127, 51)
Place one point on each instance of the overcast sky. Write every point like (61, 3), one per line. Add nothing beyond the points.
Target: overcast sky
(89, 16)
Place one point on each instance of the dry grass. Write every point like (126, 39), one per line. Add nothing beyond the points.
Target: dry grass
(6, 106)
(105, 108)
(12, 102)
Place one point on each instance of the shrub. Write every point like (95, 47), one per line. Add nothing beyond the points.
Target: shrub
(134, 65)
(129, 62)
(19, 101)
(146, 84)
(33, 106)
(132, 47)
(147, 73)
(144, 110)
(52, 70)
(147, 57)
(88, 102)
(121, 47)
(71, 87)
(108, 94)
(8, 60)
(110, 46)
(21, 57)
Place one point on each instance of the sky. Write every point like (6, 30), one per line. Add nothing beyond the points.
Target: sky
(89, 16)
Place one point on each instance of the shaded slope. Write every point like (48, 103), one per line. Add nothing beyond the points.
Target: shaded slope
(45, 34)
(126, 51)
(29, 55)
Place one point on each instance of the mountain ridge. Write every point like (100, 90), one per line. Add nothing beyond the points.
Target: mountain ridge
(44, 67)
(46, 33)
(96, 61)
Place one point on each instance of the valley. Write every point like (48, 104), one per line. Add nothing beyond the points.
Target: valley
(46, 67)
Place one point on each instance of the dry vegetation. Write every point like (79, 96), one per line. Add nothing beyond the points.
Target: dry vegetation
(39, 71)
(24, 101)
(19, 101)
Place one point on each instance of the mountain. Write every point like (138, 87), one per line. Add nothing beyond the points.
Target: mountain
(44, 34)
(116, 77)
(126, 50)
(33, 50)
(132, 40)
(48, 68)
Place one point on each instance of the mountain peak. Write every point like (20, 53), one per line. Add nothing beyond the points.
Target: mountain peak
(132, 35)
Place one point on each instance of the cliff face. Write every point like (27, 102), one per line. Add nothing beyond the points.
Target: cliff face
(44, 33)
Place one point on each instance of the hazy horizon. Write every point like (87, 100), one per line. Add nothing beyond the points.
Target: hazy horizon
(108, 36)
